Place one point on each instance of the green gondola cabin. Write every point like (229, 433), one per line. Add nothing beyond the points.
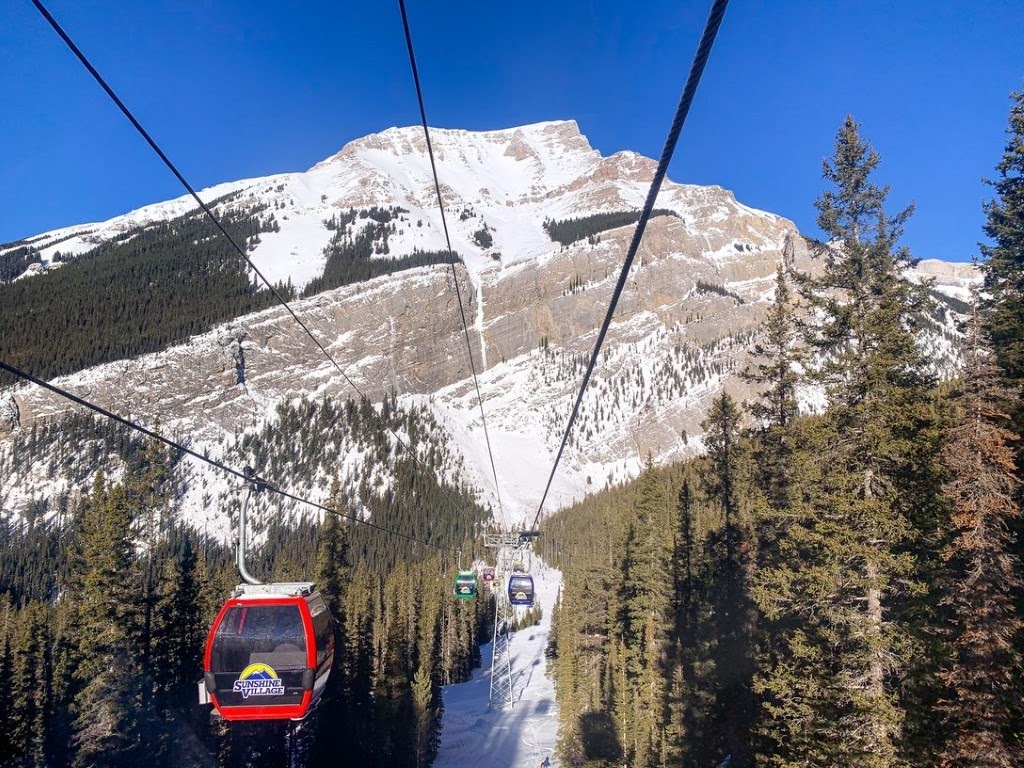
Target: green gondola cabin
(465, 586)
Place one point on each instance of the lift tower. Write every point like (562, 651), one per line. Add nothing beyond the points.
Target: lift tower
(507, 547)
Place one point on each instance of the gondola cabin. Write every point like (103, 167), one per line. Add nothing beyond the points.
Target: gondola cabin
(465, 586)
(487, 574)
(269, 652)
(518, 567)
(520, 589)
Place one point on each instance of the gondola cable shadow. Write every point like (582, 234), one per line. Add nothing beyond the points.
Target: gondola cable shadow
(599, 737)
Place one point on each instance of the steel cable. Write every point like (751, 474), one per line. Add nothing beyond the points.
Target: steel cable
(451, 255)
(700, 59)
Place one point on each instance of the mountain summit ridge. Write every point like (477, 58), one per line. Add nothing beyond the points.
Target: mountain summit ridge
(517, 177)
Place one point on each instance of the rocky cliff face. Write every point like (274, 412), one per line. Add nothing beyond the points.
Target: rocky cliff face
(696, 295)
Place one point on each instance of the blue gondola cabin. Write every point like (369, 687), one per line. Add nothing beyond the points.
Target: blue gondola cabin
(520, 589)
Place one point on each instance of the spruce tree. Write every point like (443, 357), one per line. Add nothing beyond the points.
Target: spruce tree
(1003, 259)
(780, 353)
(106, 700)
(983, 678)
(734, 620)
(831, 584)
(8, 749)
(425, 716)
(332, 566)
(683, 704)
(24, 689)
(722, 437)
(876, 379)
(646, 601)
(332, 578)
(684, 558)
(180, 627)
(31, 686)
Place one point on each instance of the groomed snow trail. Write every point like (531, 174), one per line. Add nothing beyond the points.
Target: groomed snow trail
(521, 737)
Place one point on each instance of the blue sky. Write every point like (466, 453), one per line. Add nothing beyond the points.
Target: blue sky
(239, 88)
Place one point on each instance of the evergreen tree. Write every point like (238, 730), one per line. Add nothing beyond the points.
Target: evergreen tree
(721, 435)
(106, 716)
(425, 716)
(875, 377)
(8, 749)
(983, 679)
(332, 578)
(64, 639)
(684, 555)
(24, 684)
(837, 571)
(181, 617)
(429, 626)
(646, 603)
(31, 687)
(179, 631)
(775, 409)
(734, 620)
(392, 699)
(693, 701)
(1003, 260)
(779, 353)
(332, 567)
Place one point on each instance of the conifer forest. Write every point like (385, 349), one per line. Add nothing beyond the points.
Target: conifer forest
(106, 612)
(839, 586)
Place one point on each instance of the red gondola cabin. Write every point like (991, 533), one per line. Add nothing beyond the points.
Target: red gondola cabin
(269, 652)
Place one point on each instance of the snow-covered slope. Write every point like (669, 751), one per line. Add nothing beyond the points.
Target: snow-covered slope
(521, 736)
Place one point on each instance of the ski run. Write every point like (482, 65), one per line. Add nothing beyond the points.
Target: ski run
(521, 736)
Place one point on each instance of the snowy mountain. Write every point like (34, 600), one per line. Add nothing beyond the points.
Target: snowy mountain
(697, 294)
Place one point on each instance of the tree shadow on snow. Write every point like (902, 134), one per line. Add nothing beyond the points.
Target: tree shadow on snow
(600, 737)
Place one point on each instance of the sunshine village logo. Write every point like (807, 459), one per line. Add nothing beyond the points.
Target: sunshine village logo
(258, 680)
